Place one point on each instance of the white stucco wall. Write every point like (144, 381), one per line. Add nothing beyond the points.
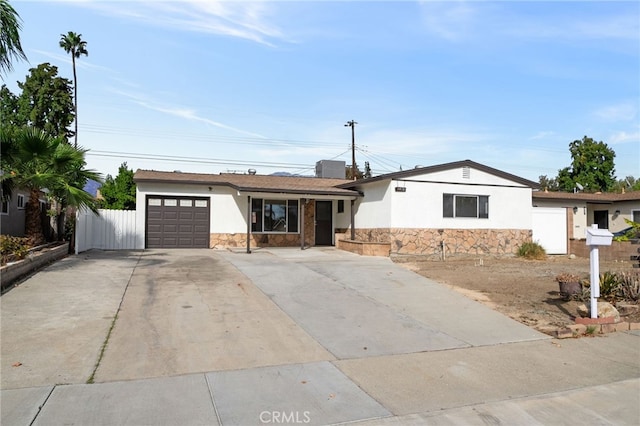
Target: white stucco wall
(374, 210)
(228, 211)
(420, 206)
(342, 220)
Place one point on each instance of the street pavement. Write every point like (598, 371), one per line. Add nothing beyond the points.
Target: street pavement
(285, 336)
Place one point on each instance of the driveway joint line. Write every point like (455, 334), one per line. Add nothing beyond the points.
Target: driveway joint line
(91, 378)
(213, 399)
(42, 405)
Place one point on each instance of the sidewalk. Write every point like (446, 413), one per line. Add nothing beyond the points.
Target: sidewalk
(278, 395)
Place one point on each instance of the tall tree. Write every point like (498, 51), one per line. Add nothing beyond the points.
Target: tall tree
(34, 160)
(72, 43)
(45, 102)
(119, 193)
(10, 47)
(592, 166)
(546, 183)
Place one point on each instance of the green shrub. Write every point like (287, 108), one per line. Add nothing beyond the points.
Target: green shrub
(532, 250)
(632, 233)
(13, 248)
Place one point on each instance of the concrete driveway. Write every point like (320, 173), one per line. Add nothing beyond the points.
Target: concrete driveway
(317, 337)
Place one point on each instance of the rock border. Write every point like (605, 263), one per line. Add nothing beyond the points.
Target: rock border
(579, 330)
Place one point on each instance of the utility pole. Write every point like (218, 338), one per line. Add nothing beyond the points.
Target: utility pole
(352, 124)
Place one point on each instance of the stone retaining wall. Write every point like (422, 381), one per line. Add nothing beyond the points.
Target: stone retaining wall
(428, 242)
(364, 248)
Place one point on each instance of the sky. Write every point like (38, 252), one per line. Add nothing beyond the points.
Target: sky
(210, 87)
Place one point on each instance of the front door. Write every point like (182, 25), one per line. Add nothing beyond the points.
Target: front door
(324, 224)
(601, 217)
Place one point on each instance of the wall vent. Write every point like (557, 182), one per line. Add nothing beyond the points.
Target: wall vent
(466, 172)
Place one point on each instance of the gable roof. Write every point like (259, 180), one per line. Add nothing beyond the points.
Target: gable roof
(598, 197)
(251, 183)
(443, 167)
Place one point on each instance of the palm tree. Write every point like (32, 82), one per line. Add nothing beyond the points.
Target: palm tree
(72, 43)
(10, 46)
(36, 161)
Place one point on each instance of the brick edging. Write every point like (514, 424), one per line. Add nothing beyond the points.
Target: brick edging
(578, 330)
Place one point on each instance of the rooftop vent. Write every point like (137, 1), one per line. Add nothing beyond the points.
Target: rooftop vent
(252, 171)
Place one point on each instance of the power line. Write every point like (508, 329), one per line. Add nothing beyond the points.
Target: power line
(193, 160)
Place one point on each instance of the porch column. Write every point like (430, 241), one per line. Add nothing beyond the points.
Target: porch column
(303, 201)
(353, 221)
(249, 224)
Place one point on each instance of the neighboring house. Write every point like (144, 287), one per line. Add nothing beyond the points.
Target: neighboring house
(239, 210)
(455, 208)
(464, 207)
(567, 215)
(12, 214)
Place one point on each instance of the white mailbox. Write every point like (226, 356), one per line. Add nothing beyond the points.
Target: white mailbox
(598, 237)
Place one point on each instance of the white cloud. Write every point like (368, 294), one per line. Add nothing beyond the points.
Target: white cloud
(246, 20)
(182, 112)
(542, 135)
(625, 111)
(624, 137)
(451, 21)
(476, 20)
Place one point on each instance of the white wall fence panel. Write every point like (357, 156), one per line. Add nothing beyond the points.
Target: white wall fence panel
(111, 230)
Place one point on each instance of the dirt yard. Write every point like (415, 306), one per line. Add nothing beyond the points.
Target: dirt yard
(525, 290)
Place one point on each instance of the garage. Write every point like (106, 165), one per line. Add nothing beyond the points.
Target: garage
(177, 222)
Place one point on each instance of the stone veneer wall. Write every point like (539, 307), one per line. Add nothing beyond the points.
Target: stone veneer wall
(256, 240)
(497, 242)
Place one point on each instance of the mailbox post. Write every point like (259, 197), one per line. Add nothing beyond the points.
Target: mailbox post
(595, 238)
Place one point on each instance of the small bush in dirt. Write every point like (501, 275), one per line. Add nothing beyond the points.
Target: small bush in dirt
(630, 285)
(13, 248)
(609, 286)
(532, 250)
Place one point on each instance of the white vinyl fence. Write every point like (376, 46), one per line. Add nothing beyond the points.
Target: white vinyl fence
(111, 230)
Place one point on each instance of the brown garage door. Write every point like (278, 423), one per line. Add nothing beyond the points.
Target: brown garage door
(177, 222)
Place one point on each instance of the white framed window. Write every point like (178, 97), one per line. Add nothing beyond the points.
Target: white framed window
(465, 206)
(274, 216)
(20, 201)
